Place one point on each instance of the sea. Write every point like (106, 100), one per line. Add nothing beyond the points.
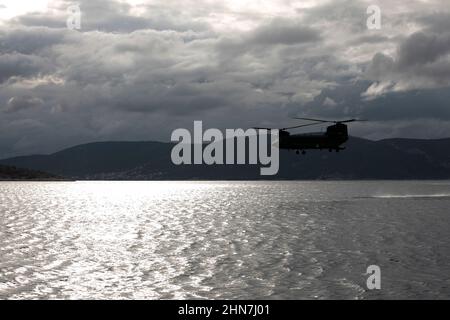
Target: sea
(225, 240)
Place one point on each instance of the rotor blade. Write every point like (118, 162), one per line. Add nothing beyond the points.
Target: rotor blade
(331, 121)
(288, 128)
(316, 120)
(301, 126)
(264, 129)
(351, 120)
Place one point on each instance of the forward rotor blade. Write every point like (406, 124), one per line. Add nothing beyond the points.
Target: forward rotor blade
(301, 126)
(317, 122)
(331, 121)
(288, 128)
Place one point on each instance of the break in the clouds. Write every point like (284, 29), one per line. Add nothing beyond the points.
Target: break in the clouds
(139, 69)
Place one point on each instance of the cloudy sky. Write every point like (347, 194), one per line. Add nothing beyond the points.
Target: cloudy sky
(138, 69)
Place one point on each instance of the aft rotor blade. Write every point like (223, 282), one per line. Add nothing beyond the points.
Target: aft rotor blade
(316, 120)
(264, 129)
(351, 120)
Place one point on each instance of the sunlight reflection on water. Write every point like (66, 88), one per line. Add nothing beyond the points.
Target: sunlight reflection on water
(228, 240)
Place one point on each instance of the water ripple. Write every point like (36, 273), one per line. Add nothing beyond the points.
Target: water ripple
(227, 240)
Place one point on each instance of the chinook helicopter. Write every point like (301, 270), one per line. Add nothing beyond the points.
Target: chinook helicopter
(332, 139)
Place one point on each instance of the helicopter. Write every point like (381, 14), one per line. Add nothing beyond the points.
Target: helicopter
(332, 139)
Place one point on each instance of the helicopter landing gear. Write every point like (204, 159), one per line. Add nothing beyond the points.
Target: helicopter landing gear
(303, 152)
(298, 152)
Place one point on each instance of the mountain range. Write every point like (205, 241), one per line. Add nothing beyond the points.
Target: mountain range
(362, 159)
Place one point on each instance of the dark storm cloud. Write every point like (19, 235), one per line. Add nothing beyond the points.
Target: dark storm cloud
(421, 48)
(20, 103)
(114, 16)
(265, 40)
(422, 61)
(29, 40)
(282, 31)
(413, 105)
(138, 72)
(373, 38)
(345, 14)
(436, 22)
(20, 65)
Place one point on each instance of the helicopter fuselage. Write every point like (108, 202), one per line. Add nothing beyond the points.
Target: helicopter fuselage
(333, 139)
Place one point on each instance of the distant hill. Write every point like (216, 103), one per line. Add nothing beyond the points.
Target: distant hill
(11, 173)
(363, 159)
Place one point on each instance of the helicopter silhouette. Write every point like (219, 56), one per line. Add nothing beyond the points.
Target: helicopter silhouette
(332, 139)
